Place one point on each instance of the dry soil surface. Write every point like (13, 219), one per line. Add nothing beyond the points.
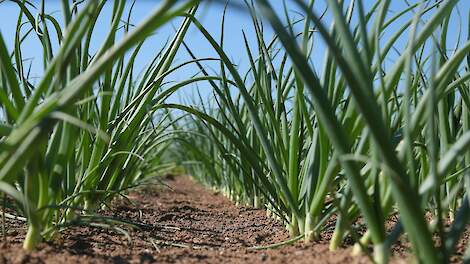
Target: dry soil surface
(180, 223)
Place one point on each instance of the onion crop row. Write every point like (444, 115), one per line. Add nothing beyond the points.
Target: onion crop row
(86, 132)
(358, 139)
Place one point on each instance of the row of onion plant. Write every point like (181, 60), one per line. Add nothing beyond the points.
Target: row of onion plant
(86, 131)
(365, 136)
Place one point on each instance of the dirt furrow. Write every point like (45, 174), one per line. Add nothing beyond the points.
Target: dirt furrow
(180, 223)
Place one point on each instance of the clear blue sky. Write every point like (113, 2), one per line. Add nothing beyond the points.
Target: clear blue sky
(210, 15)
(236, 21)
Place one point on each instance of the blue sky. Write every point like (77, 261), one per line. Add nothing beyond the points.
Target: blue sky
(236, 21)
(209, 15)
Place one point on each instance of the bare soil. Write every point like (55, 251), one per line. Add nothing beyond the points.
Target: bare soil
(184, 223)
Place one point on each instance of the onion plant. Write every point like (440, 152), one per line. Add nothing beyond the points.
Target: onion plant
(86, 131)
(357, 138)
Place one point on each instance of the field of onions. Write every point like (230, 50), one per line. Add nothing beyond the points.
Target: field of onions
(351, 112)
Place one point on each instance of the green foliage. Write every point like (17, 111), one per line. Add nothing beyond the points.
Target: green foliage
(87, 131)
(366, 136)
(360, 138)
